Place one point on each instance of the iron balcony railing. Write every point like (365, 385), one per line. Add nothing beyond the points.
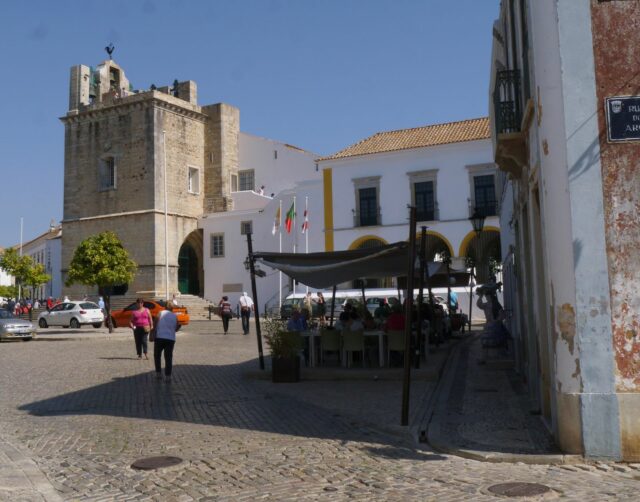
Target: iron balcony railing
(366, 218)
(507, 102)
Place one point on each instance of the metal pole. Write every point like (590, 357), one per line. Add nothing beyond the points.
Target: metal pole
(471, 281)
(407, 317)
(280, 251)
(254, 291)
(333, 305)
(423, 252)
(166, 217)
(20, 283)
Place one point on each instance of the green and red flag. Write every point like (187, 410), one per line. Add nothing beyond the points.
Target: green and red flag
(288, 222)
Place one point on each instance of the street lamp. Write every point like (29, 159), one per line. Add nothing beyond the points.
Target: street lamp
(256, 268)
(477, 222)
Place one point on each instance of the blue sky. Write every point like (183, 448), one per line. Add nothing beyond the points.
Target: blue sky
(318, 74)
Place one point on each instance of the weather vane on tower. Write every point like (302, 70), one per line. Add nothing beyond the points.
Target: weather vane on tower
(109, 48)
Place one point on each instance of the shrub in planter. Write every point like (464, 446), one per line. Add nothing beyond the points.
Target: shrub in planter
(285, 348)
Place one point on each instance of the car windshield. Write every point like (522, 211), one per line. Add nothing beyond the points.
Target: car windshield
(5, 314)
(162, 303)
(89, 306)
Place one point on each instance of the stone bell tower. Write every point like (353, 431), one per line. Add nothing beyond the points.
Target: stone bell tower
(127, 151)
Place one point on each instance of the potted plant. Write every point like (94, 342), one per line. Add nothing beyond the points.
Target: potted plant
(284, 347)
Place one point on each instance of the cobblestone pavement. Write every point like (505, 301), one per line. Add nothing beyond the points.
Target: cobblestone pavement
(84, 410)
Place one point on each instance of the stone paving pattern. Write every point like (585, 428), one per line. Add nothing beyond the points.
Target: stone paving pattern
(84, 409)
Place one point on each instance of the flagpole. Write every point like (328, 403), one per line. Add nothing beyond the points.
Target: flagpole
(295, 237)
(306, 229)
(280, 251)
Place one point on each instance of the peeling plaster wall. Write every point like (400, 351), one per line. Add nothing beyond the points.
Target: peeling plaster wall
(616, 47)
(616, 43)
(587, 322)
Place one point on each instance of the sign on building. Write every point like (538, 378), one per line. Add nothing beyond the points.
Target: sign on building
(623, 118)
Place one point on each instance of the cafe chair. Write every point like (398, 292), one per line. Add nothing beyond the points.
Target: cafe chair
(329, 342)
(395, 342)
(352, 341)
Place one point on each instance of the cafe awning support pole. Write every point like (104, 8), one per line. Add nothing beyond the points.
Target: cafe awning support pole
(333, 305)
(423, 251)
(256, 313)
(407, 317)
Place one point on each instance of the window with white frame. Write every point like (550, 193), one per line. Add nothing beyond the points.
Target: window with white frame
(246, 227)
(107, 173)
(367, 192)
(194, 180)
(217, 245)
(483, 189)
(424, 194)
(246, 180)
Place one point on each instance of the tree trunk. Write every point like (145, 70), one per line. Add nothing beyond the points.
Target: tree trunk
(107, 306)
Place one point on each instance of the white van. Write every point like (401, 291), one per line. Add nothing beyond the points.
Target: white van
(372, 296)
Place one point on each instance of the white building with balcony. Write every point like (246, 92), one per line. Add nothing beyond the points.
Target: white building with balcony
(445, 170)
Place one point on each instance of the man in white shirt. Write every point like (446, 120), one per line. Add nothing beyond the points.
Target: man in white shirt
(246, 306)
(165, 339)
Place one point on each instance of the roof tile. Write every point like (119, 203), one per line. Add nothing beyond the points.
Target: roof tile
(418, 137)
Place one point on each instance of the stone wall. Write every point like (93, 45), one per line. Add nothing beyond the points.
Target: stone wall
(221, 155)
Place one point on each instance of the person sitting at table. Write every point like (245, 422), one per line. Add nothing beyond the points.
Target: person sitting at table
(355, 323)
(395, 322)
(382, 312)
(296, 322)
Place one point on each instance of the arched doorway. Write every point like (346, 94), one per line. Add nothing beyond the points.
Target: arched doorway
(190, 273)
(483, 252)
(437, 247)
(369, 242)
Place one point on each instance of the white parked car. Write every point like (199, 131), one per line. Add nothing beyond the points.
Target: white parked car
(72, 314)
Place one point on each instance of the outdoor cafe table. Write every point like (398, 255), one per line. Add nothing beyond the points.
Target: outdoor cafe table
(311, 335)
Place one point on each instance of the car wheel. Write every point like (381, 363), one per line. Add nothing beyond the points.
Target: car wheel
(43, 323)
(28, 339)
(74, 323)
(97, 325)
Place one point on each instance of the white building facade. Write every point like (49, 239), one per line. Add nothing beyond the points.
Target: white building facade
(285, 172)
(445, 170)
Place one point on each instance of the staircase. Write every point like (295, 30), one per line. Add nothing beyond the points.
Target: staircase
(198, 307)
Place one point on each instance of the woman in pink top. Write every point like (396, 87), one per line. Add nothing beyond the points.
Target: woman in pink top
(141, 323)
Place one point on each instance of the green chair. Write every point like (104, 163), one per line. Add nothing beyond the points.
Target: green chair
(352, 341)
(395, 342)
(329, 342)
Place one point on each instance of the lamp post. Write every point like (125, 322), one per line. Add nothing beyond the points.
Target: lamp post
(477, 222)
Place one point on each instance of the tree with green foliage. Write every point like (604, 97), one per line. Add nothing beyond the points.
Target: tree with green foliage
(101, 260)
(22, 268)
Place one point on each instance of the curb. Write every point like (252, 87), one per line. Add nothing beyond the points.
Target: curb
(432, 426)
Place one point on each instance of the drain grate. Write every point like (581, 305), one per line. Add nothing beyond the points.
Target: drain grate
(150, 463)
(519, 489)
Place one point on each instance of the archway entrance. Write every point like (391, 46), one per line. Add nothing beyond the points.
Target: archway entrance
(371, 282)
(190, 265)
(484, 253)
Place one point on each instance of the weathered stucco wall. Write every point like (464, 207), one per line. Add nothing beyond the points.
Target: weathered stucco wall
(616, 44)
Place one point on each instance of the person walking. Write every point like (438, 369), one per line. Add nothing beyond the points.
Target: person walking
(165, 340)
(246, 306)
(141, 323)
(225, 313)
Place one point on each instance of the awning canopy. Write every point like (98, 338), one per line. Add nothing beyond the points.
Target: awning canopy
(322, 270)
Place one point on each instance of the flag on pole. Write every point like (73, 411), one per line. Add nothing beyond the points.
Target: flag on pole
(289, 219)
(276, 223)
(305, 223)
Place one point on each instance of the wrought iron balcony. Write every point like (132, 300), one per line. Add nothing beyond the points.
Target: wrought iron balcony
(366, 218)
(506, 101)
(508, 111)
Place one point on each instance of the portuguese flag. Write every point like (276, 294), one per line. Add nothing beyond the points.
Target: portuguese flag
(288, 222)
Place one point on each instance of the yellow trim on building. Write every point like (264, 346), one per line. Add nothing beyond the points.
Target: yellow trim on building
(439, 236)
(355, 244)
(327, 187)
(467, 239)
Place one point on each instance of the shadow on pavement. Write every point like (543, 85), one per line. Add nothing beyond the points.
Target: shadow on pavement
(216, 395)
